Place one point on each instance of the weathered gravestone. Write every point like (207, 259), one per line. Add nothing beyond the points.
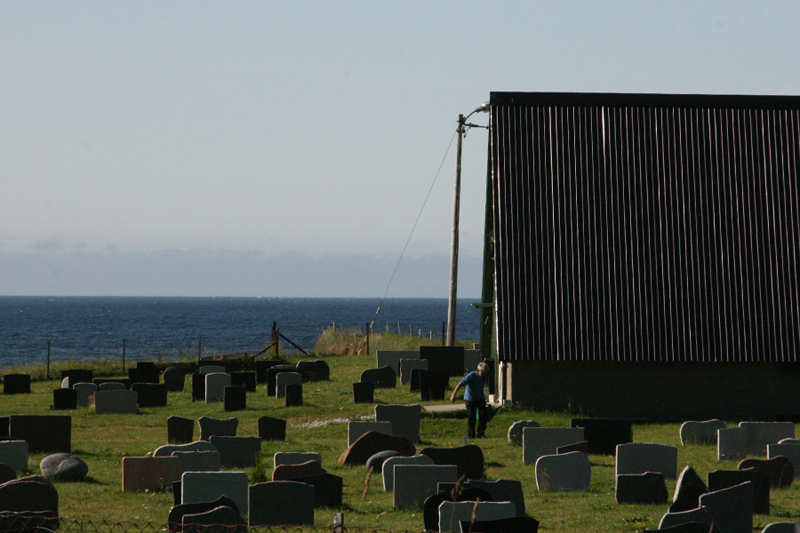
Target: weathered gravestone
(387, 468)
(43, 433)
(263, 366)
(295, 458)
(180, 430)
(237, 452)
(430, 509)
(222, 519)
(759, 434)
(356, 428)
(537, 442)
(196, 446)
(272, 373)
(467, 459)
(515, 430)
(247, 380)
(17, 384)
(150, 394)
(604, 434)
(414, 483)
(271, 428)
(197, 487)
(452, 513)
(153, 474)
(688, 490)
(731, 444)
(294, 394)
(731, 509)
(641, 457)
(644, 489)
(14, 453)
(382, 378)
(314, 370)
(84, 392)
(432, 384)
(116, 402)
(683, 520)
(30, 494)
(64, 399)
(407, 366)
(724, 479)
(144, 372)
(269, 507)
(790, 451)
(363, 392)
(225, 427)
(174, 379)
(700, 432)
(371, 443)
(195, 461)
(566, 472)
(234, 398)
(284, 472)
(215, 386)
(176, 514)
(518, 524)
(447, 359)
(392, 358)
(327, 489)
(64, 467)
(502, 490)
(779, 470)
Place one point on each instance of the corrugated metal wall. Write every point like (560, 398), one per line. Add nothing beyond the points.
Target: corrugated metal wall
(646, 227)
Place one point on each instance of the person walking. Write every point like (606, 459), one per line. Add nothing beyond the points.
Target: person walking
(475, 400)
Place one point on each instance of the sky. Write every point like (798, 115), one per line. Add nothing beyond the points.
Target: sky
(191, 148)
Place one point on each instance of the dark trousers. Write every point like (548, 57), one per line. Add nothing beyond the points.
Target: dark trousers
(476, 413)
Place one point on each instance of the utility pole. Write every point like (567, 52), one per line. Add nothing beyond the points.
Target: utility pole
(451, 305)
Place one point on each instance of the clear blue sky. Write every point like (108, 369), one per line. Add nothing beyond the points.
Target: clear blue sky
(286, 148)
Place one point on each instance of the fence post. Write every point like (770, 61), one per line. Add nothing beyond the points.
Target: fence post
(367, 338)
(48, 360)
(123, 356)
(199, 350)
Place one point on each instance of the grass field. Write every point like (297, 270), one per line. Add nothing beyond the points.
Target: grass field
(103, 440)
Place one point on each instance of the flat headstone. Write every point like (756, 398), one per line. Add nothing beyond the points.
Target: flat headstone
(237, 452)
(375, 463)
(263, 366)
(363, 392)
(731, 509)
(567, 472)
(392, 358)
(515, 430)
(759, 434)
(154, 474)
(382, 378)
(294, 394)
(174, 379)
(207, 461)
(356, 428)
(247, 380)
(116, 402)
(790, 451)
(211, 369)
(234, 398)
(537, 442)
(199, 487)
(6, 473)
(84, 392)
(314, 370)
(268, 501)
(723, 479)
(64, 399)
(64, 467)
(285, 378)
(31, 494)
(452, 513)
(641, 457)
(327, 489)
(198, 386)
(221, 519)
(700, 432)
(387, 468)
(225, 427)
(604, 434)
(467, 459)
(272, 373)
(779, 470)
(409, 365)
(447, 359)
(518, 524)
(502, 490)
(286, 472)
(644, 489)
(270, 428)
(14, 453)
(180, 430)
(176, 514)
(215, 386)
(432, 384)
(700, 515)
(43, 433)
(112, 385)
(688, 490)
(196, 446)
(371, 443)
(17, 384)
(295, 458)
(731, 444)
(414, 483)
(150, 394)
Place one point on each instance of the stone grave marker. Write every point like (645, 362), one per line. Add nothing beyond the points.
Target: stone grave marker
(150, 394)
(371, 443)
(65, 399)
(327, 489)
(206, 368)
(221, 519)
(467, 459)
(375, 462)
(502, 490)
(725, 479)
(270, 428)
(471, 360)
(432, 384)
(790, 451)
(269, 507)
(414, 483)
(700, 432)
(105, 383)
(116, 402)
(286, 378)
(731, 509)
(180, 430)
(198, 386)
(262, 367)
(759, 434)
(174, 379)
(295, 458)
(566, 472)
(644, 489)
(545, 441)
(515, 430)
(286, 472)
(314, 370)
(234, 398)
(382, 378)
(176, 514)
(17, 384)
(641, 457)
(447, 359)
(112, 385)
(391, 358)
(688, 490)
(779, 470)
(196, 461)
(782, 527)
(582, 446)
(43, 433)
(199, 487)
(5, 422)
(363, 392)
(84, 391)
(731, 444)
(430, 509)
(244, 379)
(684, 518)
(237, 452)
(14, 453)
(144, 372)
(272, 372)
(225, 427)
(387, 468)
(294, 394)
(356, 428)
(154, 474)
(64, 467)
(215, 386)
(452, 513)
(76, 375)
(409, 365)
(196, 446)
(30, 494)
(405, 419)
(604, 434)
(6, 473)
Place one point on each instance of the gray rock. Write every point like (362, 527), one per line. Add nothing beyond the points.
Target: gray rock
(376, 461)
(64, 467)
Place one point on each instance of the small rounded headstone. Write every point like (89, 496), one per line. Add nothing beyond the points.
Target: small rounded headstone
(64, 467)
(174, 379)
(376, 461)
(65, 383)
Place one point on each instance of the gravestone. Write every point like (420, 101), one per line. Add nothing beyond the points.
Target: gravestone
(604, 434)
(199, 487)
(295, 458)
(409, 365)
(144, 372)
(7, 473)
(76, 375)
(582, 446)
(545, 441)
(518, 524)
(779, 470)
(221, 519)
(234, 398)
(196, 446)
(215, 386)
(371, 443)
(724, 479)
(790, 451)
(452, 513)
(14, 453)
(731, 444)
(153, 474)
(274, 371)
(84, 391)
(731, 509)
(641, 457)
(467, 459)
(63, 467)
(405, 419)
(65, 399)
(271, 428)
(447, 359)
(43, 433)
(375, 463)
(225, 427)
(285, 378)
(387, 468)
(382, 378)
(263, 366)
(17, 384)
(432, 384)
(781, 527)
(391, 358)
(116, 402)
(471, 360)
(327, 489)
(700, 432)
(176, 514)
(174, 379)
(688, 490)
(363, 392)
(112, 385)
(284, 472)
(643, 489)
(198, 386)
(502, 490)
(207, 461)
(356, 428)
(414, 483)
(5, 422)
(683, 518)
(294, 394)
(180, 430)
(150, 394)
(211, 368)
(269, 507)
(244, 379)
(314, 370)
(566, 472)
(30, 494)
(237, 452)
(759, 434)
(515, 430)
(104, 382)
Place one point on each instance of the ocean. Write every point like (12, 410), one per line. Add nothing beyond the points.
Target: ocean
(152, 328)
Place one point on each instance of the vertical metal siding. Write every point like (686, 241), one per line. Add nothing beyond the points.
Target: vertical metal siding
(646, 227)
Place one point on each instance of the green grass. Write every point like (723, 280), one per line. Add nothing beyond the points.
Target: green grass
(103, 440)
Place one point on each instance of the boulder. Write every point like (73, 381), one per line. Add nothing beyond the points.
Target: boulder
(64, 467)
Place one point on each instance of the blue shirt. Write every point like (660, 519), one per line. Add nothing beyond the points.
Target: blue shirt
(474, 386)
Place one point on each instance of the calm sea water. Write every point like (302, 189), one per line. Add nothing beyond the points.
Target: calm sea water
(95, 327)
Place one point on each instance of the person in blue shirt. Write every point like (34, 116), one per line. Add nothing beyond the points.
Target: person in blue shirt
(475, 400)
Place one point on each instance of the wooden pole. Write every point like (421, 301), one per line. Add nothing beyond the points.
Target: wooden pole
(451, 305)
